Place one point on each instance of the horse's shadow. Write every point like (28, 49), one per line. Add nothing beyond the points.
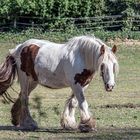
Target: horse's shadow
(60, 130)
(103, 134)
(40, 129)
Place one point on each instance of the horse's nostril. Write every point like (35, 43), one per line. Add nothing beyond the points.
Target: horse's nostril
(110, 86)
(107, 85)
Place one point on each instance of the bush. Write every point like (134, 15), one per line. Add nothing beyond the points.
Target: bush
(54, 12)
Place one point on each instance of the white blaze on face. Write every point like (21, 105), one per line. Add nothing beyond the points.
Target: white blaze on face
(108, 70)
(110, 76)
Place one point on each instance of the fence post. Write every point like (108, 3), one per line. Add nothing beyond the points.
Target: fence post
(32, 24)
(15, 22)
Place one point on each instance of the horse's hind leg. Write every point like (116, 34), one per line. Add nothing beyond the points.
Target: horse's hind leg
(26, 121)
(15, 112)
(20, 111)
(68, 116)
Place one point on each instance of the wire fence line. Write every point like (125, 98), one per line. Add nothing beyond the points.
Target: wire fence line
(115, 22)
(35, 17)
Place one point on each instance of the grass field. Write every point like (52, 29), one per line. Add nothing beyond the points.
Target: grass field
(117, 114)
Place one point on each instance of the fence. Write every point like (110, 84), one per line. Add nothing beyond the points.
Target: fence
(115, 22)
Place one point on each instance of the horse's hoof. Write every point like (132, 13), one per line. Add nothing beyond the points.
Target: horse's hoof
(86, 129)
(27, 128)
(29, 124)
(68, 125)
(32, 127)
(87, 126)
(70, 128)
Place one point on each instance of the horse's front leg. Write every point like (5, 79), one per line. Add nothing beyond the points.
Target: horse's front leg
(87, 123)
(68, 115)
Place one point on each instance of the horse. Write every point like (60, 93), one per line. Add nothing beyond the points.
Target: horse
(72, 64)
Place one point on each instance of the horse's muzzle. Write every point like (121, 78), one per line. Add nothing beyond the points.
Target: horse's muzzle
(109, 88)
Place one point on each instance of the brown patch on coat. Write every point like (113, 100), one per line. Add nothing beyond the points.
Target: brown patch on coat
(83, 78)
(28, 56)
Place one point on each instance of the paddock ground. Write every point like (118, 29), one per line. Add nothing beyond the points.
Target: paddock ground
(117, 114)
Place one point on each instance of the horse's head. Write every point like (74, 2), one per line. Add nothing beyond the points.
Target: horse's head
(108, 67)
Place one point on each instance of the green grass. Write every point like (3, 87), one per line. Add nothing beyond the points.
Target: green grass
(20, 36)
(117, 114)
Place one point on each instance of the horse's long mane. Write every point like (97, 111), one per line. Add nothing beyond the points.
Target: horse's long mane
(81, 42)
(90, 46)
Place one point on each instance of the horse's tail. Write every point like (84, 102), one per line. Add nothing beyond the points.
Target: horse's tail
(7, 74)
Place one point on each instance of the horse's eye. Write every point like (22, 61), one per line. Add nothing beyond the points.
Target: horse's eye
(102, 69)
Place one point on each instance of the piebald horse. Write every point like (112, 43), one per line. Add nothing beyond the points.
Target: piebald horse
(56, 66)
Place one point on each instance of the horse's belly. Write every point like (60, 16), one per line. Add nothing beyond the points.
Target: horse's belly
(52, 80)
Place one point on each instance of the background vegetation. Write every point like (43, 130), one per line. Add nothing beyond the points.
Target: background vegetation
(50, 14)
(68, 8)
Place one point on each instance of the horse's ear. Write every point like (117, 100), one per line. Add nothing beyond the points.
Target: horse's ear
(114, 49)
(102, 50)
